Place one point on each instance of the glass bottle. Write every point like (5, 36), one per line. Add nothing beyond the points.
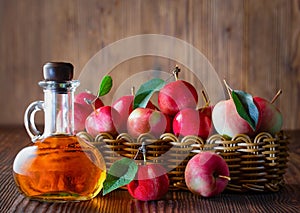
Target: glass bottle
(58, 165)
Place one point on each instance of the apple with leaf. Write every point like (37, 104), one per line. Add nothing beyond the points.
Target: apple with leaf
(243, 114)
(106, 118)
(143, 119)
(124, 105)
(145, 182)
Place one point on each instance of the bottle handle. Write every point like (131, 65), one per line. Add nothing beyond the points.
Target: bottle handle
(29, 123)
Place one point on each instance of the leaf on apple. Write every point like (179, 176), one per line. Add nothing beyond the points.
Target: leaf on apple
(120, 174)
(245, 107)
(105, 85)
(145, 92)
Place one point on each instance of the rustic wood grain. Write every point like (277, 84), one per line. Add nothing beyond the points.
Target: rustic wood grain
(253, 44)
(291, 78)
(14, 138)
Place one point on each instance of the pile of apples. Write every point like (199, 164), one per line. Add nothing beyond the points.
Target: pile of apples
(207, 173)
(176, 113)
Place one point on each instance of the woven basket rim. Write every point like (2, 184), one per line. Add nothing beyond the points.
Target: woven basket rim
(256, 164)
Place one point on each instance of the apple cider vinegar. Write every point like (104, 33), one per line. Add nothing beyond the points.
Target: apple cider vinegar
(58, 165)
(60, 168)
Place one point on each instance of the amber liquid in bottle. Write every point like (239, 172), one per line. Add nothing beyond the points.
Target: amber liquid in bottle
(58, 165)
(60, 168)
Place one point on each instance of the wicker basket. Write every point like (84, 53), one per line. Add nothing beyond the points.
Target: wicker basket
(255, 164)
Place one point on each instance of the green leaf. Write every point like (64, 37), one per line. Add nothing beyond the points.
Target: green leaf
(145, 92)
(105, 86)
(121, 173)
(246, 107)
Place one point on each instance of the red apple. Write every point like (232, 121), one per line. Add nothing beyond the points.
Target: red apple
(145, 120)
(270, 118)
(176, 96)
(206, 174)
(192, 122)
(227, 121)
(124, 105)
(105, 119)
(151, 183)
(207, 110)
(83, 96)
(81, 112)
(169, 127)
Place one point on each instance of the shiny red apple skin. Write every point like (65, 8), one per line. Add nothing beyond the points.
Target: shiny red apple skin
(81, 112)
(169, 127)
(151, 183)
(176, 96)
(270, 118)
(192, 122)
(104, 119)
(207, 110)
(227, 121)
(145, 120)
(124, 105)
(80, 98)
(202, 174)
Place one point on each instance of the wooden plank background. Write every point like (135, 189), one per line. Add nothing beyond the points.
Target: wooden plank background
(253, 44)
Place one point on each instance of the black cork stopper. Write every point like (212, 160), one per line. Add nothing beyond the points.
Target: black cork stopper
(58, 71)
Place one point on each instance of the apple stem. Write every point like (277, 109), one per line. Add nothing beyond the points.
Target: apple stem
(133, 91)
(176, 71)
(225, 177)
(276, 96)
(205, 98)
(90, 102)
(143, 150)
(93, 105)
(229, 90)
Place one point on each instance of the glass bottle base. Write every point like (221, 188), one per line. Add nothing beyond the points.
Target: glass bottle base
(60, 168)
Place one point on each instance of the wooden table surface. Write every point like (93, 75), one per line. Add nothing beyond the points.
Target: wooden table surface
(13, 138)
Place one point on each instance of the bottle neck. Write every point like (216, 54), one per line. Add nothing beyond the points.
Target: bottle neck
(59, 107)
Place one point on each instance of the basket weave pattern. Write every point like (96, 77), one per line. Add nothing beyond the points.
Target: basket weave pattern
(255, 164)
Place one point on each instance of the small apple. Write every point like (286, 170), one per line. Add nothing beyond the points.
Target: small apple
(206, 174)
(270, 118)
(104, 119)
(151, 183)
(207, 110)
(192, 122)
(145, 120)
(84, 97)
(81, 112)
(227, 121)
(176, 96)
(124, 105)
(169, 127)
